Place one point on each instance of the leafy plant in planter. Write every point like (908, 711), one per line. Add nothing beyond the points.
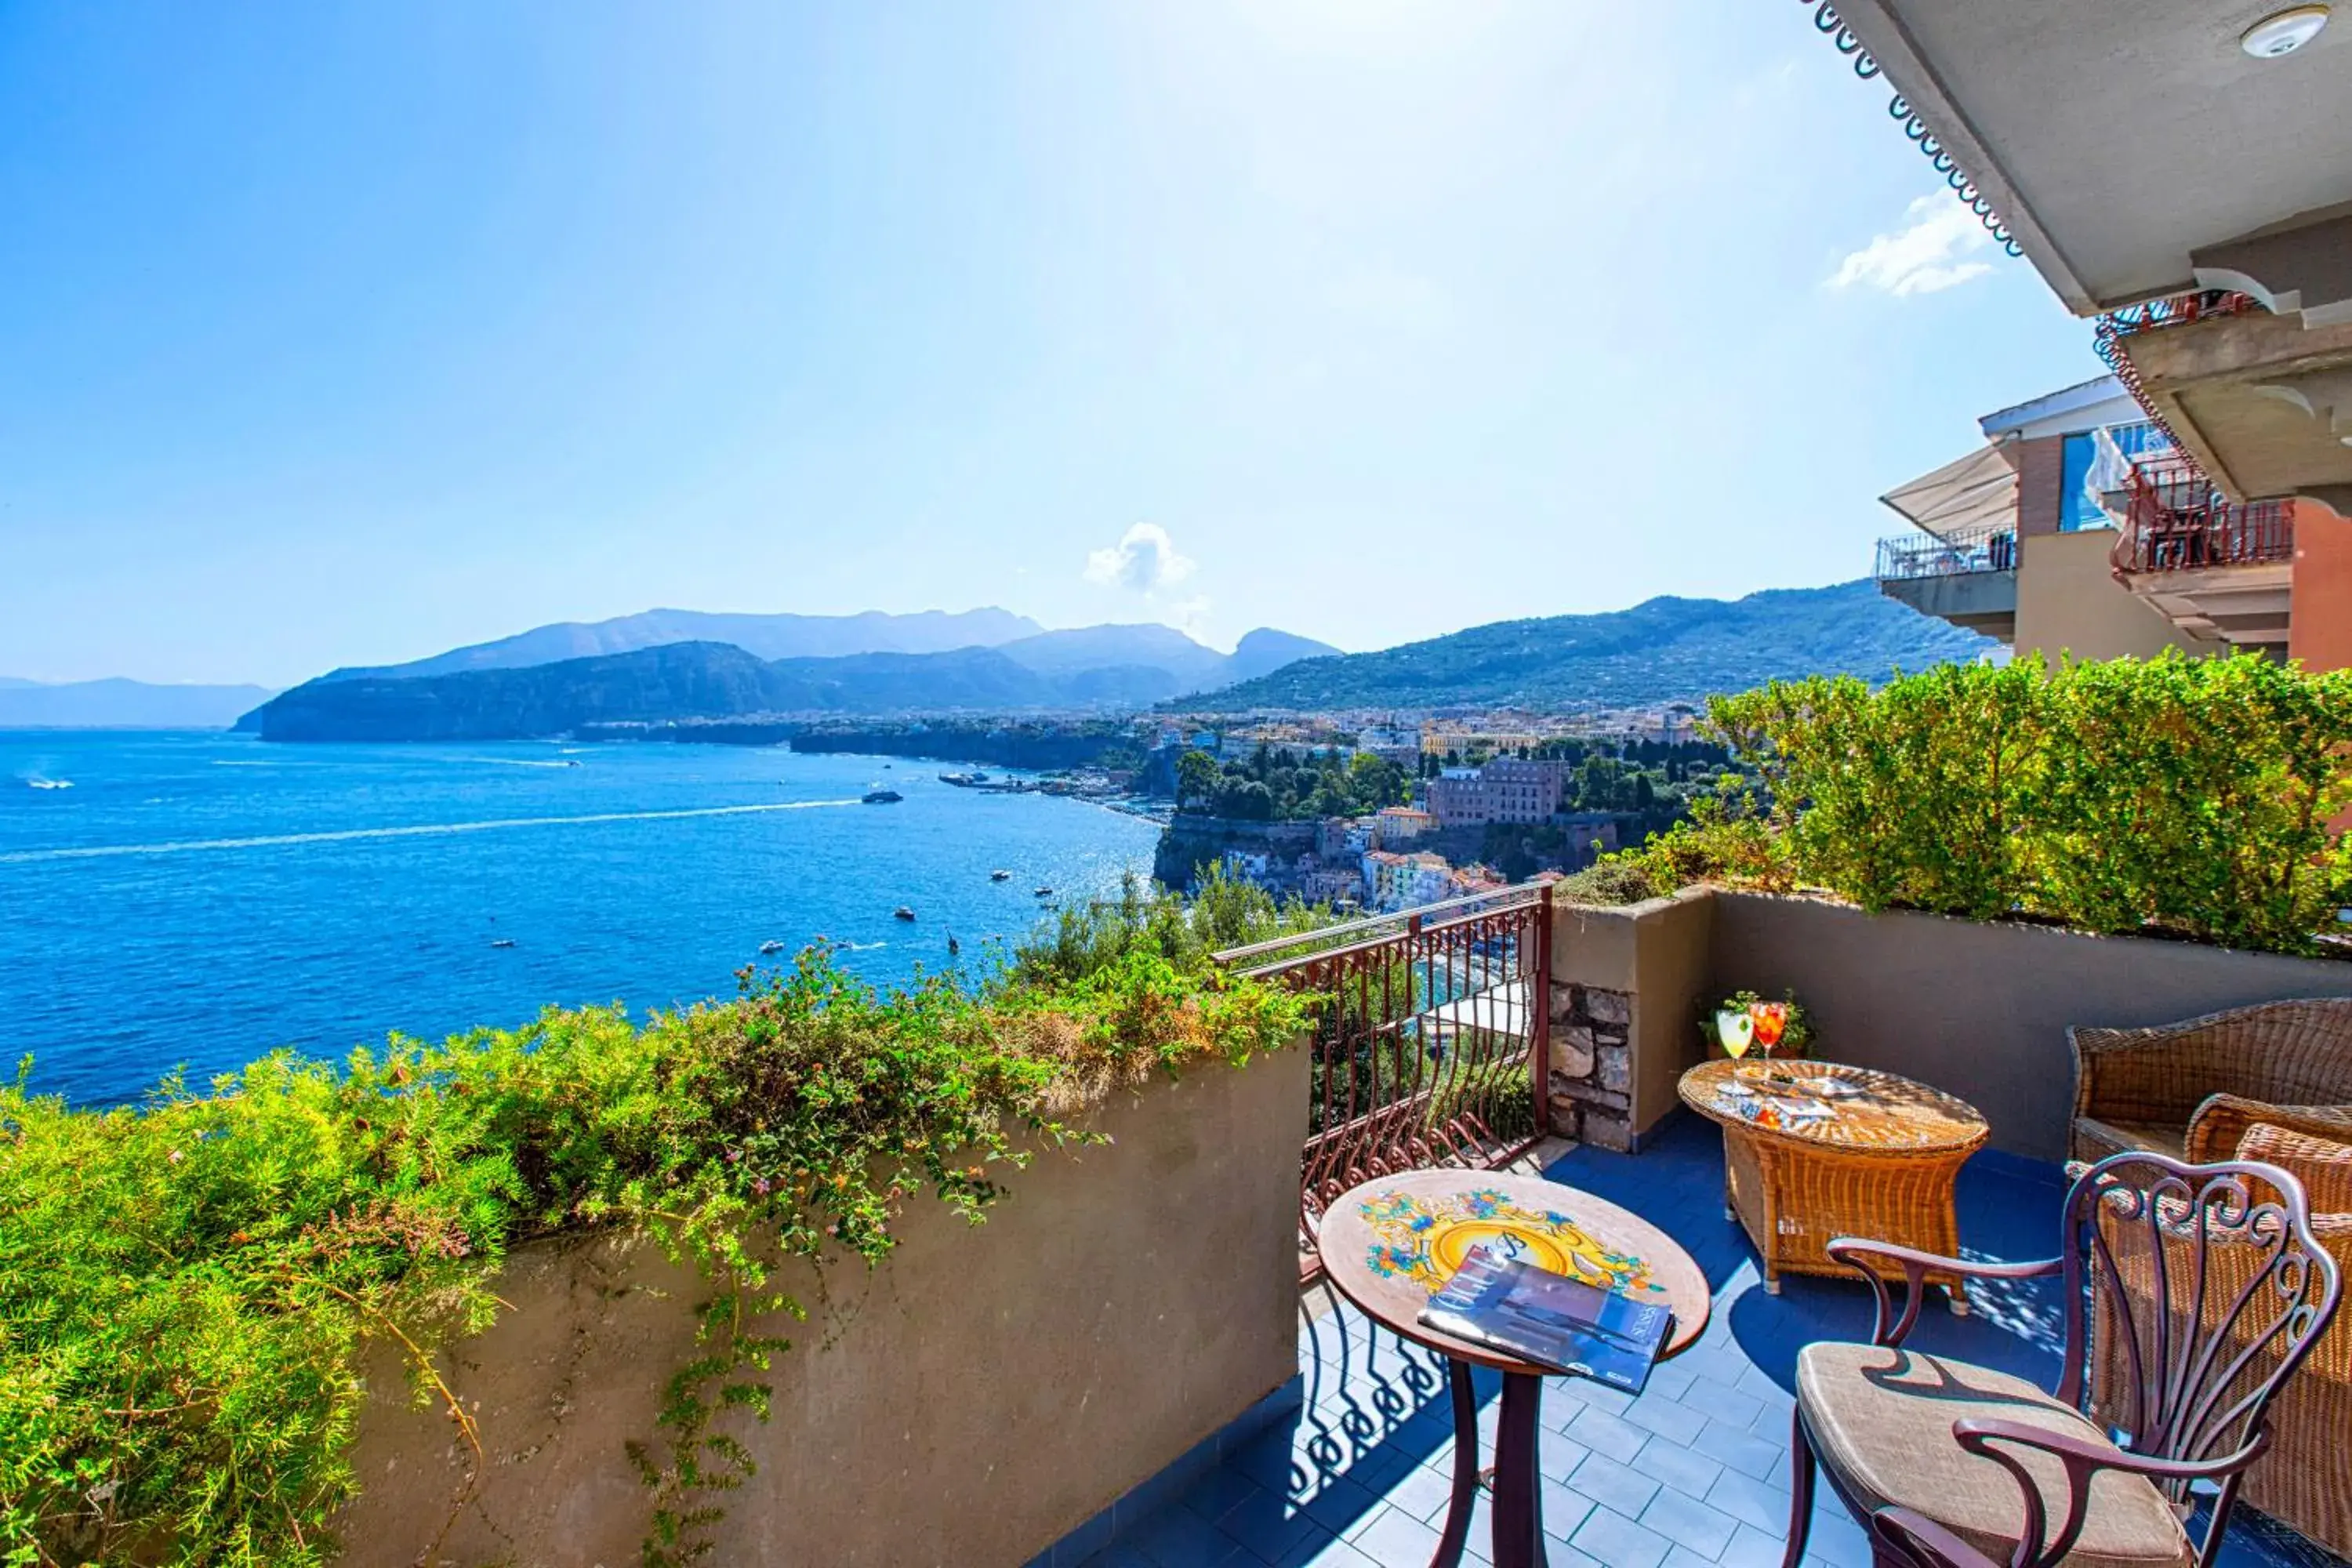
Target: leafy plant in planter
(186, 1287)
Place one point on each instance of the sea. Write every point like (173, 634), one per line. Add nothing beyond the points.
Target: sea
(191, 901)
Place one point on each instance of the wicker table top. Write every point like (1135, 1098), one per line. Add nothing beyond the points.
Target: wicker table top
(1834, 1107)
(1388, 1244)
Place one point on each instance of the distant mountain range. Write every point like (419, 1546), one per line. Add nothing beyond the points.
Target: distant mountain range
(1662, 650)
(122, 705)
(765, 635)
(1117, 667)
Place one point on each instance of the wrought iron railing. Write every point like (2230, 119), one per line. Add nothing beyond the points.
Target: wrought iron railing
(1913, 556)
(2177, 521)
(1432, 1043)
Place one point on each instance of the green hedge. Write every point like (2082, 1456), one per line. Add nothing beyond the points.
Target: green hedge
(2183, 795)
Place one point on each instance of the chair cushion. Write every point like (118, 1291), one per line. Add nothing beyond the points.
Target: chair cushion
(2134, 1137)
(1881, 1421)
(2324, 1165)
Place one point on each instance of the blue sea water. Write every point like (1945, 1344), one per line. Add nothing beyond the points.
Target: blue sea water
(192, 901)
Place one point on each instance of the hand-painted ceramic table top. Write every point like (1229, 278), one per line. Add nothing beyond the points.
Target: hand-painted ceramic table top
(1389, 1243)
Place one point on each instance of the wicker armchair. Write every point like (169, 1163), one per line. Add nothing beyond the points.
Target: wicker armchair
(2305, 1478)
(2142, 1088)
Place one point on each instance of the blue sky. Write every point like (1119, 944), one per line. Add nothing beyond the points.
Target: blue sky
(346, 334)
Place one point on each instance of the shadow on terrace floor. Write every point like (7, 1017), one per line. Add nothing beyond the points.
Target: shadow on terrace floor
(1694, 1473)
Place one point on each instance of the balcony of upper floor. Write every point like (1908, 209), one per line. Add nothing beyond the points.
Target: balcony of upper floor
(2218, 570)
(1970, 581)
(1961, 564)
(2262, 401)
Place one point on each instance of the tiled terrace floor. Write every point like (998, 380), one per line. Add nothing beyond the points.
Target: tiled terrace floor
(1693, 1474)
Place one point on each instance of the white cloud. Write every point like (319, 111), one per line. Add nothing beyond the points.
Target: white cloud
(1144, 560)
(1925, 256)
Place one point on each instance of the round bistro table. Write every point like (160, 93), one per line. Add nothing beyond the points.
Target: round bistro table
(1388, 1244)
(1813, 1150)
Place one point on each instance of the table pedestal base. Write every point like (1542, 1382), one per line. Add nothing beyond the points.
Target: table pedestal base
(1519, 1489)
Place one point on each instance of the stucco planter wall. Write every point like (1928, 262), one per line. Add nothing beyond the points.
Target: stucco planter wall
(1980, 1009)
(982, 1392)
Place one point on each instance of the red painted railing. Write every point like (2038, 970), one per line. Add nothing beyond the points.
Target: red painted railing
(1433, 1040)
(2108, 337)
(2177, 521)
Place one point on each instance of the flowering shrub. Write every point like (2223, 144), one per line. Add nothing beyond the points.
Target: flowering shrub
(185, 1287)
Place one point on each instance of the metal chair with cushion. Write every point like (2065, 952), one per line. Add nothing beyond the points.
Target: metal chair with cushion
(2153, 1089)
(2029, 1478)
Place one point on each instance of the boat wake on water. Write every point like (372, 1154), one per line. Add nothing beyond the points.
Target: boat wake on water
(420, 830)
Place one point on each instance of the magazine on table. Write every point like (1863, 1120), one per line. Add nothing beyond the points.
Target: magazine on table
(1535, 1314)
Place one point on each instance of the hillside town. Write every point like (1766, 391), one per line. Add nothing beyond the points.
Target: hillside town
(1376, 812)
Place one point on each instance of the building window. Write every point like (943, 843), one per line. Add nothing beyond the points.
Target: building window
(2083, 477)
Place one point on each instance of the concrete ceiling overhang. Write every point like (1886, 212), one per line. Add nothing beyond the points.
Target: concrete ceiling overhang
(2127, 143)
(2262, 402)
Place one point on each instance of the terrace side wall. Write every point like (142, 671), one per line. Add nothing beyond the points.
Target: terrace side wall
(982, 1392)
(1633, 975)
(1980, 1010)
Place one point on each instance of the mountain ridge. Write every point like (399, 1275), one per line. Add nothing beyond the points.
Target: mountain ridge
(1666, 649)
(1051, 671)
(766, 635)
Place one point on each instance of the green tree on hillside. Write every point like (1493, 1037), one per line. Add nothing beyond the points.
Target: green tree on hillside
(1196, 776)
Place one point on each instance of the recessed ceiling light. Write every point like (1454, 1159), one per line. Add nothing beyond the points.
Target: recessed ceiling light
(2283, 32)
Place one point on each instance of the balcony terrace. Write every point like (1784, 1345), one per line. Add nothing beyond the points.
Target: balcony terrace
(1352, 1466)
(1127, 1365)
(1695, 1471)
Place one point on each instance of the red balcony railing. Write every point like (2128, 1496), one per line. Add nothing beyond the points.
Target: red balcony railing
(1433, 1040)
(2177, 521)
(2109, 336)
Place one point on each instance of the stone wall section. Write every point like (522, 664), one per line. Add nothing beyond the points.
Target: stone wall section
(1591, 1082)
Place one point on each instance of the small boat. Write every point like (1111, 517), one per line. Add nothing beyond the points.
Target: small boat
(1045, 892)
(902, 913)
(954, 946)
(767, 948)
(883, 797)
(503, 941)
(1000, 876)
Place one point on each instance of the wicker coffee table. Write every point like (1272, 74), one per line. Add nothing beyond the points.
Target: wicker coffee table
(1813, 1150)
